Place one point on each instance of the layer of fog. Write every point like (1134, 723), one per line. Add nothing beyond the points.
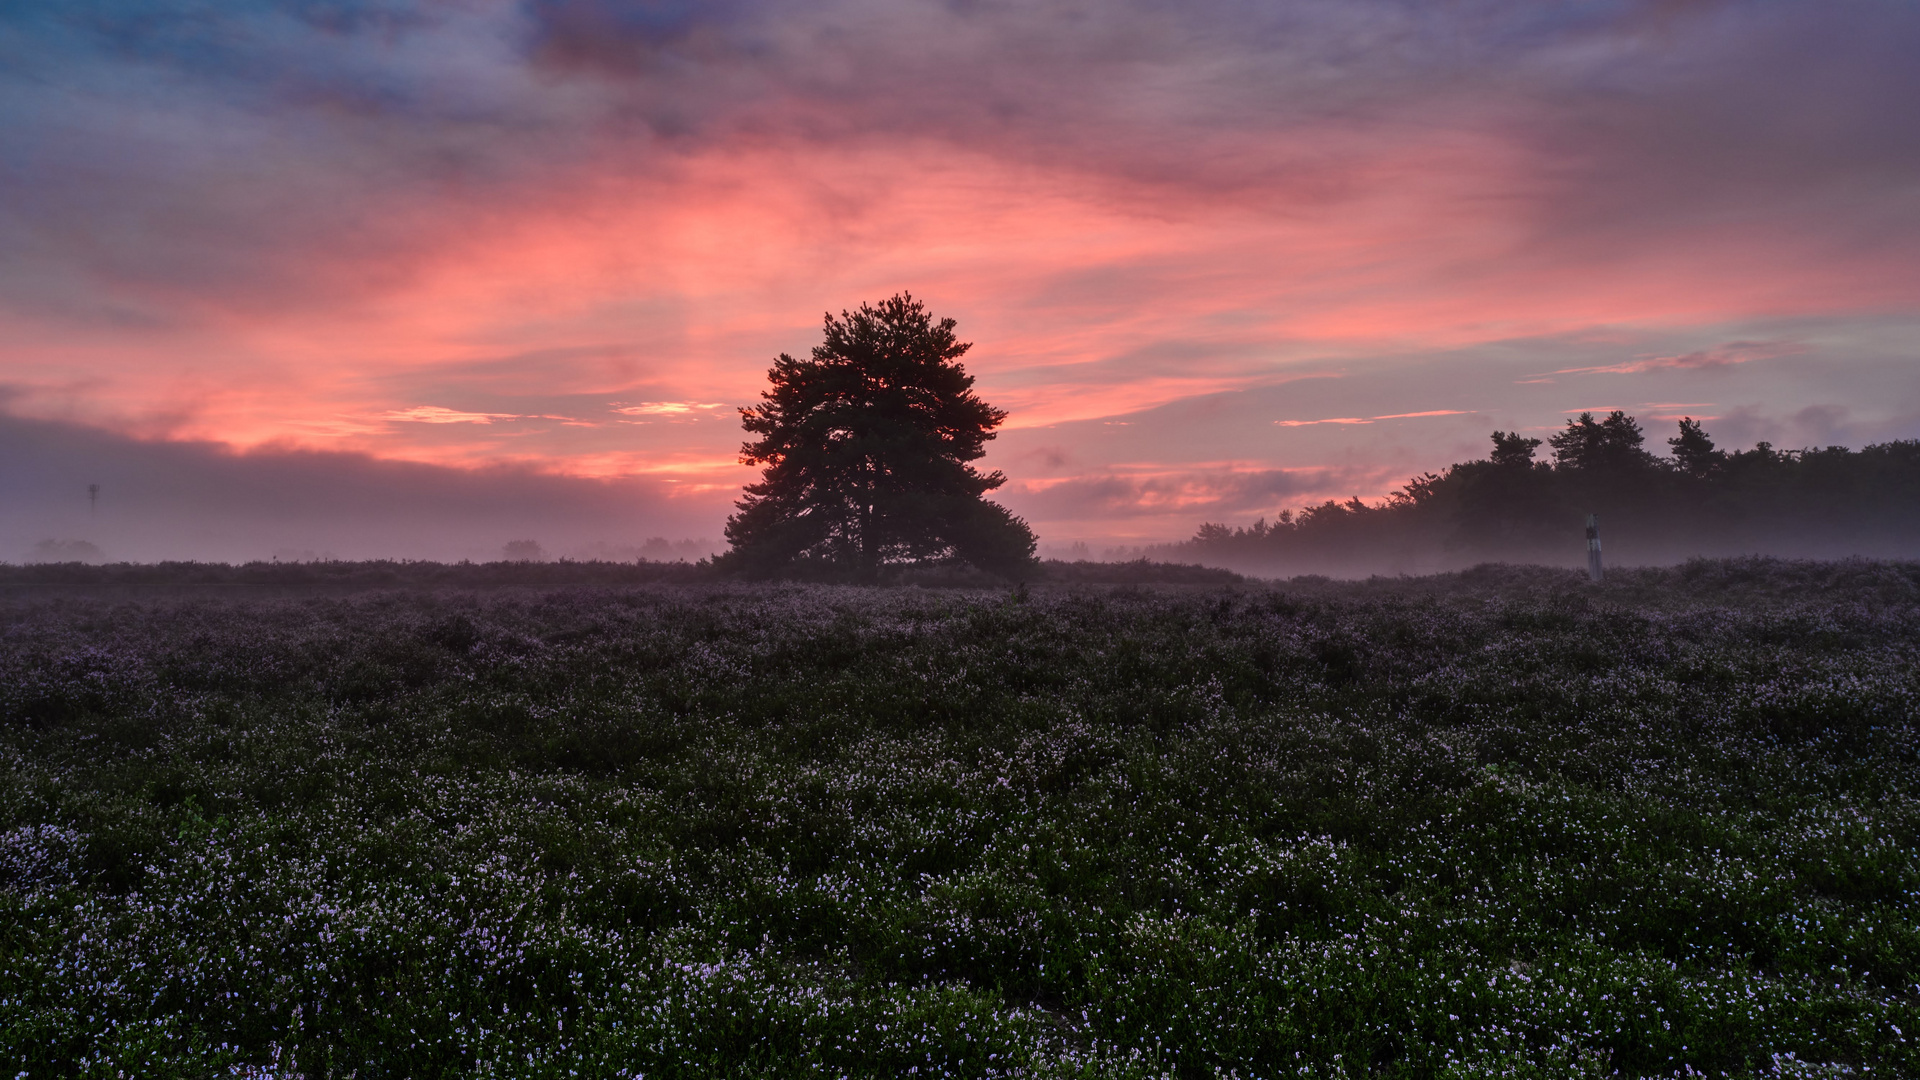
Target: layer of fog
(75, 493)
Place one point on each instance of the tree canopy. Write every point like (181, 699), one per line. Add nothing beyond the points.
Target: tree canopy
(1610, 445)
(1822, 501)
(1693, 451)
(866, 447)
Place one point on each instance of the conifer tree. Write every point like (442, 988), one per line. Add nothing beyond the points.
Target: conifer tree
(1610, 445)
(867, 448)
(1693, 452)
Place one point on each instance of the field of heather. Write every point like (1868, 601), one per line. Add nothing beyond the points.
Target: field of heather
(1500, 823)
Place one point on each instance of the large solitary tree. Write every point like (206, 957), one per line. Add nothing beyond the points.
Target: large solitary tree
(867, 446)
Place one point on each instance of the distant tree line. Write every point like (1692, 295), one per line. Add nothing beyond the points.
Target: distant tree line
(1512, 507)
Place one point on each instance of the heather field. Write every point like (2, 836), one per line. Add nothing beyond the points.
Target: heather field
(1499, 823)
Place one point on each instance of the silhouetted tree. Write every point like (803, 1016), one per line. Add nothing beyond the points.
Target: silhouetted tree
(1693, 452)
(1506, 505)
(866, 446)
(1512, 450)
(1610, 445)
(1601, 467)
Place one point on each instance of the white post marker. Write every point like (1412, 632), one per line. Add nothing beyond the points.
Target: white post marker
(1594, 572)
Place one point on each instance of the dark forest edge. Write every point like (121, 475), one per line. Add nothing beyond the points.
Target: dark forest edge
(1819, 502)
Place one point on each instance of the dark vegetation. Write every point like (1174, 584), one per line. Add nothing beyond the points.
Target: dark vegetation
(868, 447)
(339, 575)
(1496, 823)
(355, 575)
(1698, 500)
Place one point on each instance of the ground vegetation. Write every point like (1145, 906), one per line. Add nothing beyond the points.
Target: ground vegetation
(1496, 823)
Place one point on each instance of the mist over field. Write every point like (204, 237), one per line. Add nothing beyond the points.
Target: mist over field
(203, 502)
(169, 500)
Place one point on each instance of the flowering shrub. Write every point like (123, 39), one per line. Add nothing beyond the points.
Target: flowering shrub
(1503, 824)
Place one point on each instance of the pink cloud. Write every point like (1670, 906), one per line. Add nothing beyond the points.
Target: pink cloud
(1371, 419)
(548, 208)
(1152, 501)
(434, 414)
(1720, 356)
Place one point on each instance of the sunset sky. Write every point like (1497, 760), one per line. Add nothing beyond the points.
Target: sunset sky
(1216, 258)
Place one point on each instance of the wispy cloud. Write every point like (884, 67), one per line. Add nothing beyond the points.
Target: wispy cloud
(1371, 419)
(668, 408)
(1720, 356)
(434, 414)
(261, 219)
(1147, 501)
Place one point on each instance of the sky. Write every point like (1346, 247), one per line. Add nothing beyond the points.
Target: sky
(414, 279)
